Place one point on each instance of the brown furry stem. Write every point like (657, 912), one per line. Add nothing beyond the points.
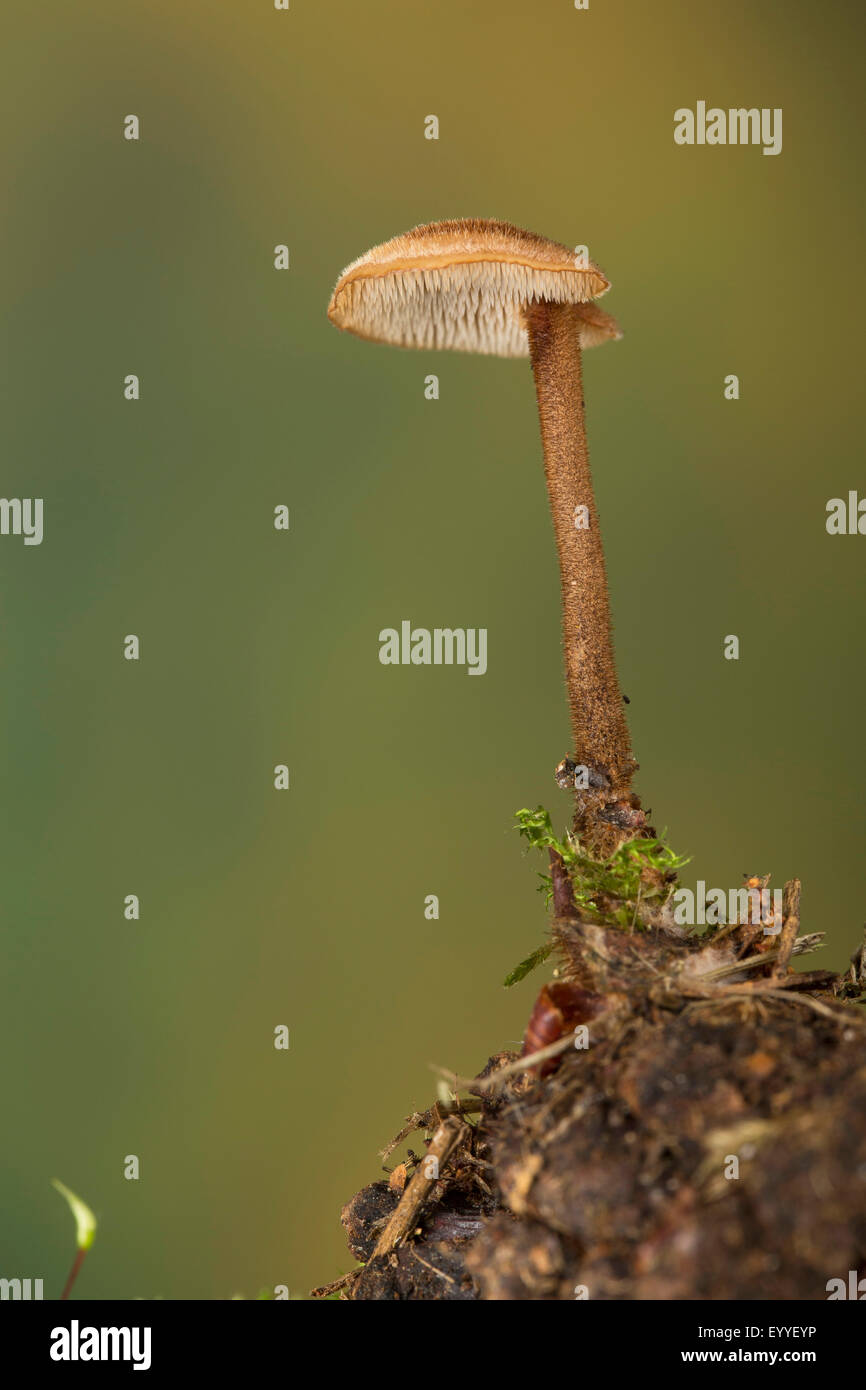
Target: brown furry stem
(599, 729)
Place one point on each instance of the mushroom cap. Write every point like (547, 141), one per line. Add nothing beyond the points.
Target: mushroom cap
(465, 285)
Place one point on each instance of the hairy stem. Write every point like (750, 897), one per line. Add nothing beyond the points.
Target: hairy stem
(598, 724)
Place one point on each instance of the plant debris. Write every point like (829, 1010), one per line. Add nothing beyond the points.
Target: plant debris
(702, 1136)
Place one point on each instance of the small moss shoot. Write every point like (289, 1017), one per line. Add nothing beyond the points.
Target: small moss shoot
(640, 873)
(526, 966)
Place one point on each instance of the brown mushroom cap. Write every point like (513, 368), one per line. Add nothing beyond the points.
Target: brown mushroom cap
(465, 285)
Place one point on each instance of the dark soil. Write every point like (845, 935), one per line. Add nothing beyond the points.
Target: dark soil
(708, 1143)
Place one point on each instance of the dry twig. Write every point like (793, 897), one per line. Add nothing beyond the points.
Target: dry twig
(450, 1133)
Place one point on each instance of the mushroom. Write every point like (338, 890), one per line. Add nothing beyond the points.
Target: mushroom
(488, 287)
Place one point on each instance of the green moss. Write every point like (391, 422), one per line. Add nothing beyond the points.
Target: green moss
(639, 872)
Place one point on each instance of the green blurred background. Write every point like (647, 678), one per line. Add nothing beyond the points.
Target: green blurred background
(307, 907)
